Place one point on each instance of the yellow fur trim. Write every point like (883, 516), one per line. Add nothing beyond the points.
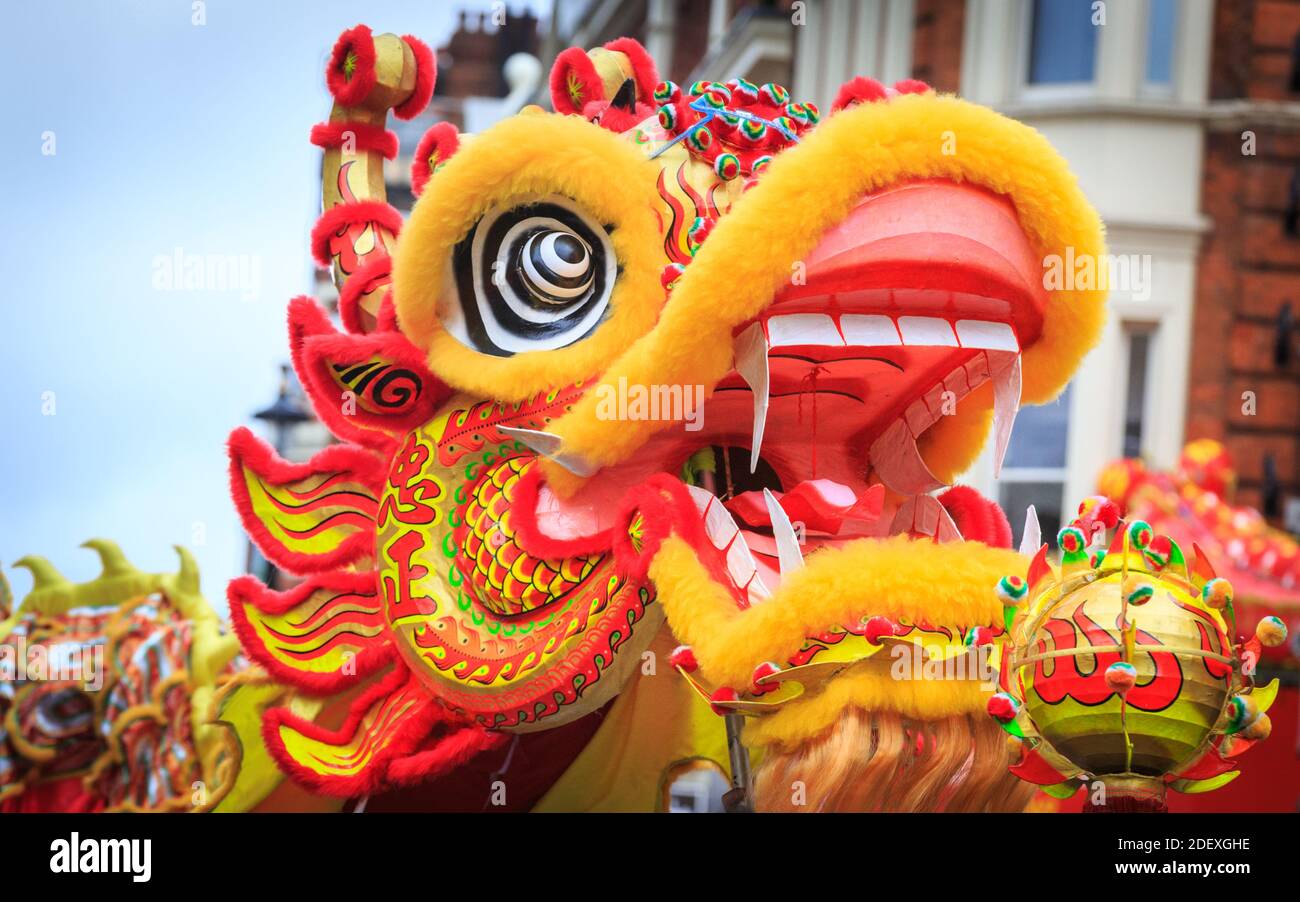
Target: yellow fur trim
(523, 157)
(871, 687)
(950, 584)
(810, 188)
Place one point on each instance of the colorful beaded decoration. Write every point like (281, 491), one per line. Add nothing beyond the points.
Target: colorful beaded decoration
(735, 127)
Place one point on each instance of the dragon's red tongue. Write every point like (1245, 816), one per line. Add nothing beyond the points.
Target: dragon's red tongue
(822, 505)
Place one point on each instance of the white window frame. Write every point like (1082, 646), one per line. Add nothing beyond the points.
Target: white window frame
(1048, 93)
(1152, 328)
(1156, 90)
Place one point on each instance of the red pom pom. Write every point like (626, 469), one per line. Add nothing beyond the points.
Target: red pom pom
(766, 669)
(878, 628)
(683, 656)
(426, 75)
(672, 272)
(725, 694)
(1002, 707)
(858, 90)
(351, 71)
(436, 147)
(980, 635)
(912, 86)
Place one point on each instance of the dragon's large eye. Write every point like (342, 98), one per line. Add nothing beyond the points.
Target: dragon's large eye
(531, 277)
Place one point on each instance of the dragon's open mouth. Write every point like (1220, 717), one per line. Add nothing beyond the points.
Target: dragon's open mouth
(898, 315)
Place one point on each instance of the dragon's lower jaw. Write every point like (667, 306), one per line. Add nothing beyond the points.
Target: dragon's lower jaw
(839, 628)
(910, 700)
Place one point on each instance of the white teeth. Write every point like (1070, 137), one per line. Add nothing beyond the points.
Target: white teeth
(1005, 369)
(803, 329)
(924, 515)
(986, 336)
(1032, 538)
(725, 536)
(926, 330)
(751, 363)
(718, 522)
(898, 463)
(787, 543)
(958, 383)
(869, 331)
(548, 445)
(918, 417)
(934, 401)
(947, 530)
(893, 454)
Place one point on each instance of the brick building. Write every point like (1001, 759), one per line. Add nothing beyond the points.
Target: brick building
(1249, 273)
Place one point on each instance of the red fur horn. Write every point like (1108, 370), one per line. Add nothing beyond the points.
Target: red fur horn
(858, 90)
(574, 82)
(435, 148)
(644, 70)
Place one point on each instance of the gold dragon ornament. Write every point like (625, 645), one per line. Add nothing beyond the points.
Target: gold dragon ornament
(1124, 675)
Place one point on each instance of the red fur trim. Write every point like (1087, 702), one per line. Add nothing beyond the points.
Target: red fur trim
(978, 518)
(246, 449)
(450, 751)
(858, 90)
(306, 318)
(643, 66)
(333, 221)
(354, 90)
(574, 61)
(377, 268)
(683, 656)
(445, 139)
(315, 347)
(406, 735)
(426, 75)
(387, 320)
(613, 119)
(248, 590)
(912, 86)
(666, 507)
(536, 543)
(364, 137)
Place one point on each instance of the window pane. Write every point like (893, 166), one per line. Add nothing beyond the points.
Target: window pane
(1015, 497)
(1064, 42)
(1039, 437)
(1135, 397)
(1161, 22)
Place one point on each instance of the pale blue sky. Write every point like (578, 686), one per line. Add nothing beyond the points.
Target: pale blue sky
(167, 135)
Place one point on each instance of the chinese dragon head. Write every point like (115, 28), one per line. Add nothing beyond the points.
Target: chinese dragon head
(643, 419)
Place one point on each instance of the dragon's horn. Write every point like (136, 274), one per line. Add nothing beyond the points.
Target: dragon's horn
(111, 557)
(188, 576)
(400, 73)
(44, 574)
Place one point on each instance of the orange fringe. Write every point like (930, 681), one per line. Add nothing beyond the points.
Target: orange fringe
(870, 762)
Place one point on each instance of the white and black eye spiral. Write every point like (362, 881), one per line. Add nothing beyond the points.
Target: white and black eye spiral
(533, 277)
